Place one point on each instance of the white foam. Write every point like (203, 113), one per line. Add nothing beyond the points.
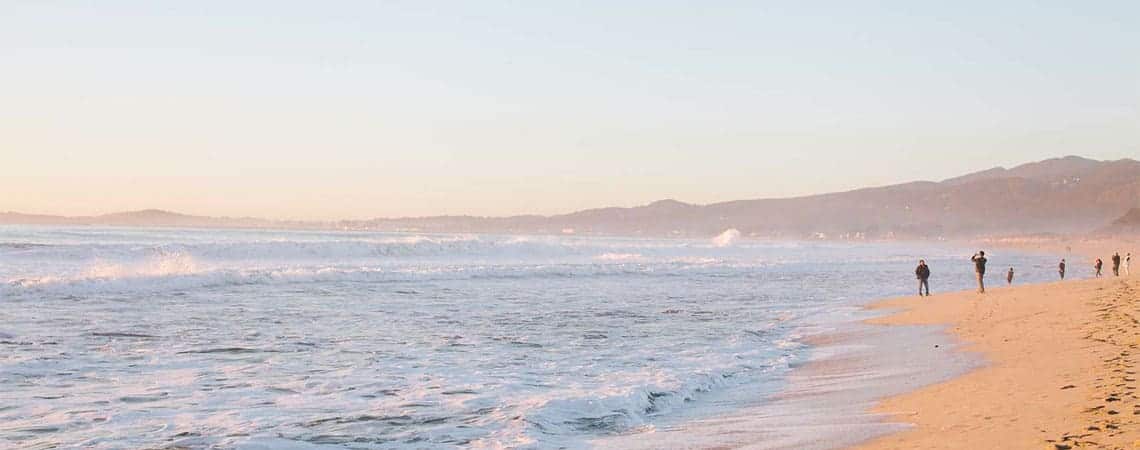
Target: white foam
(620, 257)
(163, 264)
(727, 238)
(243, 339)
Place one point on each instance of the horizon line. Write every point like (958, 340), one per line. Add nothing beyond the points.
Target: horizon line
(510, 216)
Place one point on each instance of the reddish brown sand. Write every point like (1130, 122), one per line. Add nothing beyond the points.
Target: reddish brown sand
(1062, 369)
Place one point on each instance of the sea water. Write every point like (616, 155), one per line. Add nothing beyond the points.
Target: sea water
(131, 338)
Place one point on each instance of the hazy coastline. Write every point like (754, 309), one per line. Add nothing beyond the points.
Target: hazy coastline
(1060, 196)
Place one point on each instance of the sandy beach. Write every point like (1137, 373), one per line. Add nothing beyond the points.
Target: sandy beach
(1061, 369)
(588, 225)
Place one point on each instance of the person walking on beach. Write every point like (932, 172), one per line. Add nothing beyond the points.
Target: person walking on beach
(1009, 276)
(1128, 264)
(1097, 265)
(979, 260)
(1061, 268)
(1116, 264)
(922, 272)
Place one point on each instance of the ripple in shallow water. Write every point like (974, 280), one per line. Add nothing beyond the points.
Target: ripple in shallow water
(229, 351)
(123, 335)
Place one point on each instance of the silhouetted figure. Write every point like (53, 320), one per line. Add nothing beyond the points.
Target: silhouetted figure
(922, 272)
(1128, 264)
(979, 260)
(1097, 265)
(1009, 276)
(1061, 268)
(1116, 264)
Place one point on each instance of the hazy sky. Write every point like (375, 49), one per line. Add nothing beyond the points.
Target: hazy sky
(355, 109)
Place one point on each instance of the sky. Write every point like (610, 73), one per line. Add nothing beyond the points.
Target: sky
(359, 109)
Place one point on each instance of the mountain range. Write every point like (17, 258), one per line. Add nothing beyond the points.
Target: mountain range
(1061, 195)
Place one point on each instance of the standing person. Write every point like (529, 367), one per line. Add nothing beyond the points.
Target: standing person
(922, 272)
(1097, 265)
(1128, 264)
(979, 260)
(1116, 264)
(1061, 268)
(1009, 276)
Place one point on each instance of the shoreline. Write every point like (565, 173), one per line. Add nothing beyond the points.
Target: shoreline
(1060, 372)
(919, 372)
(831, 396)
(826, 398)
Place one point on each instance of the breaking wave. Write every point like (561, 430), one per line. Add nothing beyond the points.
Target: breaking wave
(183, 274)
(365, 247)
(131, 266)
(727, 238)
(623, 411)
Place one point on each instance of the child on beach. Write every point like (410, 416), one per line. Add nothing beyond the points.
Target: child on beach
(1009, 276)
(1128, 264)
(1097, 265)
(1116, 264)
(1061, 268)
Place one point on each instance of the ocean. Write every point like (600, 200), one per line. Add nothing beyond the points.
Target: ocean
(146, 338)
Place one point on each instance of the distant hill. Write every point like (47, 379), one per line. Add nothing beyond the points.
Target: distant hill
(151, 218)
(1070, 194)
(1129, 219)
(1050, 170)
(1129, 223)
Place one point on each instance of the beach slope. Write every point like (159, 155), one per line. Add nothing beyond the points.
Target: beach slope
(1061, 373)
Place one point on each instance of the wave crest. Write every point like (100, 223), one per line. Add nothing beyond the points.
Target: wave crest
(162, 264)
(727, 238)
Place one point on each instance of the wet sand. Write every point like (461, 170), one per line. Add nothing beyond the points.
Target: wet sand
(1040, 366)
(825, 401)
(1061, 369)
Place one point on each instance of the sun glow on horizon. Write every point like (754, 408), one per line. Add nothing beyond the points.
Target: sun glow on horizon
(285, 110)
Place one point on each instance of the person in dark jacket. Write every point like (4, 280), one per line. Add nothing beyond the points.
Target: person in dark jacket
(1061, 268)
(922, 272)
(1009, 276)
(1116, 264)
(979, 260)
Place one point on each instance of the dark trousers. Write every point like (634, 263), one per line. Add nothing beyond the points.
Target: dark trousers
(923, 283)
